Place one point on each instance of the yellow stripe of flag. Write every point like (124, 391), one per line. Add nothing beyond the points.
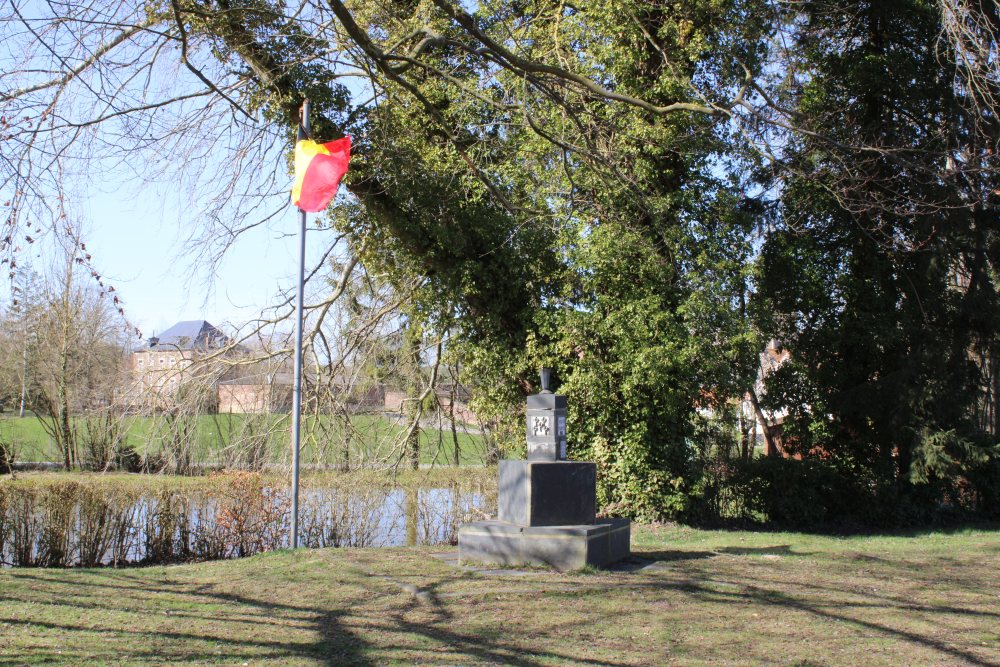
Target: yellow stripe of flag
(318, 170)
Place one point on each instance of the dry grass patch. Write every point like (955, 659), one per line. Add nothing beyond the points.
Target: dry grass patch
(703, 597)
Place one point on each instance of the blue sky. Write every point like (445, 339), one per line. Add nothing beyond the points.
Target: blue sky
(126, 178)
(138, 243)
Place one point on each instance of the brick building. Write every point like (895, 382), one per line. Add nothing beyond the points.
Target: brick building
(266, 386)
(256, 393)
(395, 401)
(187, 351)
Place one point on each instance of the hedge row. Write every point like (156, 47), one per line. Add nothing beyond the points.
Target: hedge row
(90, 520)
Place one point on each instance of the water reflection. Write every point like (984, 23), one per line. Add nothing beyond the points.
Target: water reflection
(148, 528)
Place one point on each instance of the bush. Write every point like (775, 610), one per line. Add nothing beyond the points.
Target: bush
(798, 493)
(99, 439)
(766, 490)
(107, 524)
(6, 456)
(127, 459)
(55, 521)
(251, 517)
(5, 518)
(987, 484)
(814, 493)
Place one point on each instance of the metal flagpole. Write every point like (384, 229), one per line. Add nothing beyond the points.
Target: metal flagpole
(297, 388)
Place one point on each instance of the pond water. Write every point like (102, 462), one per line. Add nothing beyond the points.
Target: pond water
(175, 527)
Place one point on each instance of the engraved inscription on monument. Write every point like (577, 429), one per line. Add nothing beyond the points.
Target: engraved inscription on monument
(540, 425)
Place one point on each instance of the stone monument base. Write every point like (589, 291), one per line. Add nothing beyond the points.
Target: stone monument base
(561, 547)
(547, 493)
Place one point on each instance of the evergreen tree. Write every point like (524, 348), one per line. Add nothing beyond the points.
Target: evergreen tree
(867, 277)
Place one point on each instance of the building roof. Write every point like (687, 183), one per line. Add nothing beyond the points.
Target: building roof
(194, 334)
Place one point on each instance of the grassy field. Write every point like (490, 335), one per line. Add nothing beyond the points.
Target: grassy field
(368, 437)
(693, 597)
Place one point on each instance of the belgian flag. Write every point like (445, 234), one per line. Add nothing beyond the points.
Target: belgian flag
(318, 170)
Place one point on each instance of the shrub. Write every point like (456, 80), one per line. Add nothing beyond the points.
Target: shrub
(24, 524)
(100, 439)
(4, 522)
(813, 493)
(985, 481)
(785, 492)
(58, 505)
(165, 527)
(127, 459)
(49, 520)
(251, 517)
(6, 456)
(106, 532)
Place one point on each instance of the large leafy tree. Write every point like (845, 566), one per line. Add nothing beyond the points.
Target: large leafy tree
(557, 227)
(546, 172)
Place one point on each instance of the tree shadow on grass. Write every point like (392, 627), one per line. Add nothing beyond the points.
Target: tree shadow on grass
(713, 589)
(489, 648)
(779, 599)
(641, 560)
(336, 645)
(777, 550)
(117, 615)
(374, 619)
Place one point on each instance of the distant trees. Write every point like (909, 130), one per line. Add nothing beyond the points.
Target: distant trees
(64, 345)
(17, 340)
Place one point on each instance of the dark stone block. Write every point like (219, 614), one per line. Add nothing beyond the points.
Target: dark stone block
(547, 402)
(561, 547)
(547, 493)
(513, 497)
(563, 493)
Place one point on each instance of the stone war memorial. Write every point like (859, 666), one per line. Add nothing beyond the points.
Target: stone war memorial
(547, 505)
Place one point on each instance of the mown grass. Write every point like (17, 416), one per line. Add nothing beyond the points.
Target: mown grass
(368, 437)
(703, 597)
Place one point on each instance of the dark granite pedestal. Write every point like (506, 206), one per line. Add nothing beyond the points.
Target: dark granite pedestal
(547, 493)
(561, 547)
(547, 515)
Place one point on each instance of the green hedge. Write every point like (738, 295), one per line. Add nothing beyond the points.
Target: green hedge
(814, 493)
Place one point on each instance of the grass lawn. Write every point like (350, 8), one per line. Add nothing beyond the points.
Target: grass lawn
(370, 437)
(708, 597)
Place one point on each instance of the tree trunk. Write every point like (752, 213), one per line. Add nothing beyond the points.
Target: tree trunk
(772, 444)
(413, 394)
